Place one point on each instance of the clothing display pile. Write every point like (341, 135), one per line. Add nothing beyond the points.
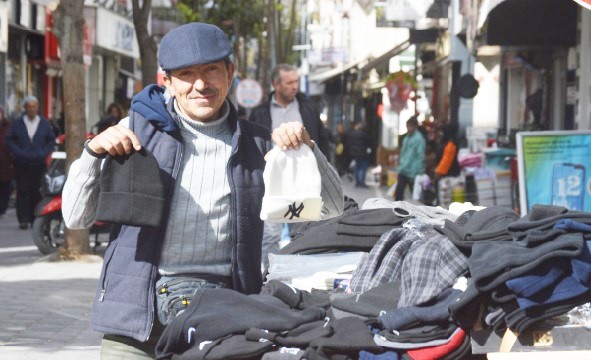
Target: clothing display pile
(394, 280)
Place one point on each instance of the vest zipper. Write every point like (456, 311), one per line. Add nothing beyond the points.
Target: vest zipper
(104, 282)
(151, 295)
(234, 233)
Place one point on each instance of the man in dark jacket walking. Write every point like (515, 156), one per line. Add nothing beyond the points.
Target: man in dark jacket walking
(358, 145)
(211, 166)
(30, 139)
(287, 104)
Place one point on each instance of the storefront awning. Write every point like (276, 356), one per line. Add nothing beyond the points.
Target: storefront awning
(532, 23)
(332, 73)
(385, 57)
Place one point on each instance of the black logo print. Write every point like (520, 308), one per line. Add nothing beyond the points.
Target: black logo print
(294, 211)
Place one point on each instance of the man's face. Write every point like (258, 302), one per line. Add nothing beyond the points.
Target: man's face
(200, 90)
(32, 109)
(410, 128)
(287, 86)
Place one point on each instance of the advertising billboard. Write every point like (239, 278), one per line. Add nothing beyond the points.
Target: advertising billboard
(555, 169)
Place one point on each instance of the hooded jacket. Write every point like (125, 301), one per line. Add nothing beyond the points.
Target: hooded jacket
(130, 267)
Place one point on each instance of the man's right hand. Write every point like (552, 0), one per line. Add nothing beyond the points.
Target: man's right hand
(116, 141)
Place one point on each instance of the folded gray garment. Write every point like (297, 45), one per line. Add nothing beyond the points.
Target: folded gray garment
(371, 303)
(383, 341)
(427, 214)
(285, 353)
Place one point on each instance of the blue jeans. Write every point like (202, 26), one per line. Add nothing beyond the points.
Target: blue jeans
(360, 170)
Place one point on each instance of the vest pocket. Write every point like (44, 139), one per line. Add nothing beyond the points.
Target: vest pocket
(105, 278)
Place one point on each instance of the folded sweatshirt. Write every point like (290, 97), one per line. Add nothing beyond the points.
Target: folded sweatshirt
(356, 230)
(203, 321)
(536, 222)
(488, 224)
(493, 263)
(433, 311)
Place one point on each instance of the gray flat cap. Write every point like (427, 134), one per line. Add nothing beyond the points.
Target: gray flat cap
(191, 44)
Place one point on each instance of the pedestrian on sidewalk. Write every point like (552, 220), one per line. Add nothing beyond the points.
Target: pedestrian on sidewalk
(6, 170)
(30, 140)
(359, 147)
(412, 158)
(211, 166)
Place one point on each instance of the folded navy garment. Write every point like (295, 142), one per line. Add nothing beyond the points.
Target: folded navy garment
(567, 287)
(525, 225)
(522, 320)
(538, 279)
(574, 226)
(493, 263)
(388, 355)
(433, 311)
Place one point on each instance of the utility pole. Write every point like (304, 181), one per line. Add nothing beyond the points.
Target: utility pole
(69, 29)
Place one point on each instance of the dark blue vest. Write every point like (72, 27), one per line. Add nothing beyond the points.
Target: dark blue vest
(124, 302)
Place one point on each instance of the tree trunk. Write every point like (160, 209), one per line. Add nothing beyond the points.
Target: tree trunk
(146, 42)
(70, 30)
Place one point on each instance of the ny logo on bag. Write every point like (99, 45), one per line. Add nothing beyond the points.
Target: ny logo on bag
(294, 211)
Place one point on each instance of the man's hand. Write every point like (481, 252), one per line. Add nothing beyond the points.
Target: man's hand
(116, 140)
(291, 135)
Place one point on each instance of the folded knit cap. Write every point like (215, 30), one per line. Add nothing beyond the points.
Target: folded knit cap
(131, 190)
(292, 186)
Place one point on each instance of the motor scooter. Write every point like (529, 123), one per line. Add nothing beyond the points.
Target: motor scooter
(48, 226)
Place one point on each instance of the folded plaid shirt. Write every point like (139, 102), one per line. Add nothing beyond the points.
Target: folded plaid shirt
(425, 262)
(431, 265)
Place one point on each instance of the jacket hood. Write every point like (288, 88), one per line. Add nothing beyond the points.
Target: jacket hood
(151, 104)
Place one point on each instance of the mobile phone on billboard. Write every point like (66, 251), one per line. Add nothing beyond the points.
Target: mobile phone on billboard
(568, 185)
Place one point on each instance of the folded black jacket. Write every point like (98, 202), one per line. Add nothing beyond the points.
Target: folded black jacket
(493, 263)
(229, 347)
(349, 337)
(371, 303)
(217, 313)
(296, 298)
(421, 334)
(356, 230)
(488, 224)
(543, 218)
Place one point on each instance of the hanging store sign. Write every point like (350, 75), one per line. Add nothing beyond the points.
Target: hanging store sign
(402, 13)
(249, 93)
(116, 33)
(584, 3)
(554, 169)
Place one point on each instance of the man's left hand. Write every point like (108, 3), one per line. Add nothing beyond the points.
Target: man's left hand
(291, 135)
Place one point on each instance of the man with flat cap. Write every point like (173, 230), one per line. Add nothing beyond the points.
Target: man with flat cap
(211, 167)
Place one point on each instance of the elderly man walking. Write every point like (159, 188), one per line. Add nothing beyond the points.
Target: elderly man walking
(30, 139)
